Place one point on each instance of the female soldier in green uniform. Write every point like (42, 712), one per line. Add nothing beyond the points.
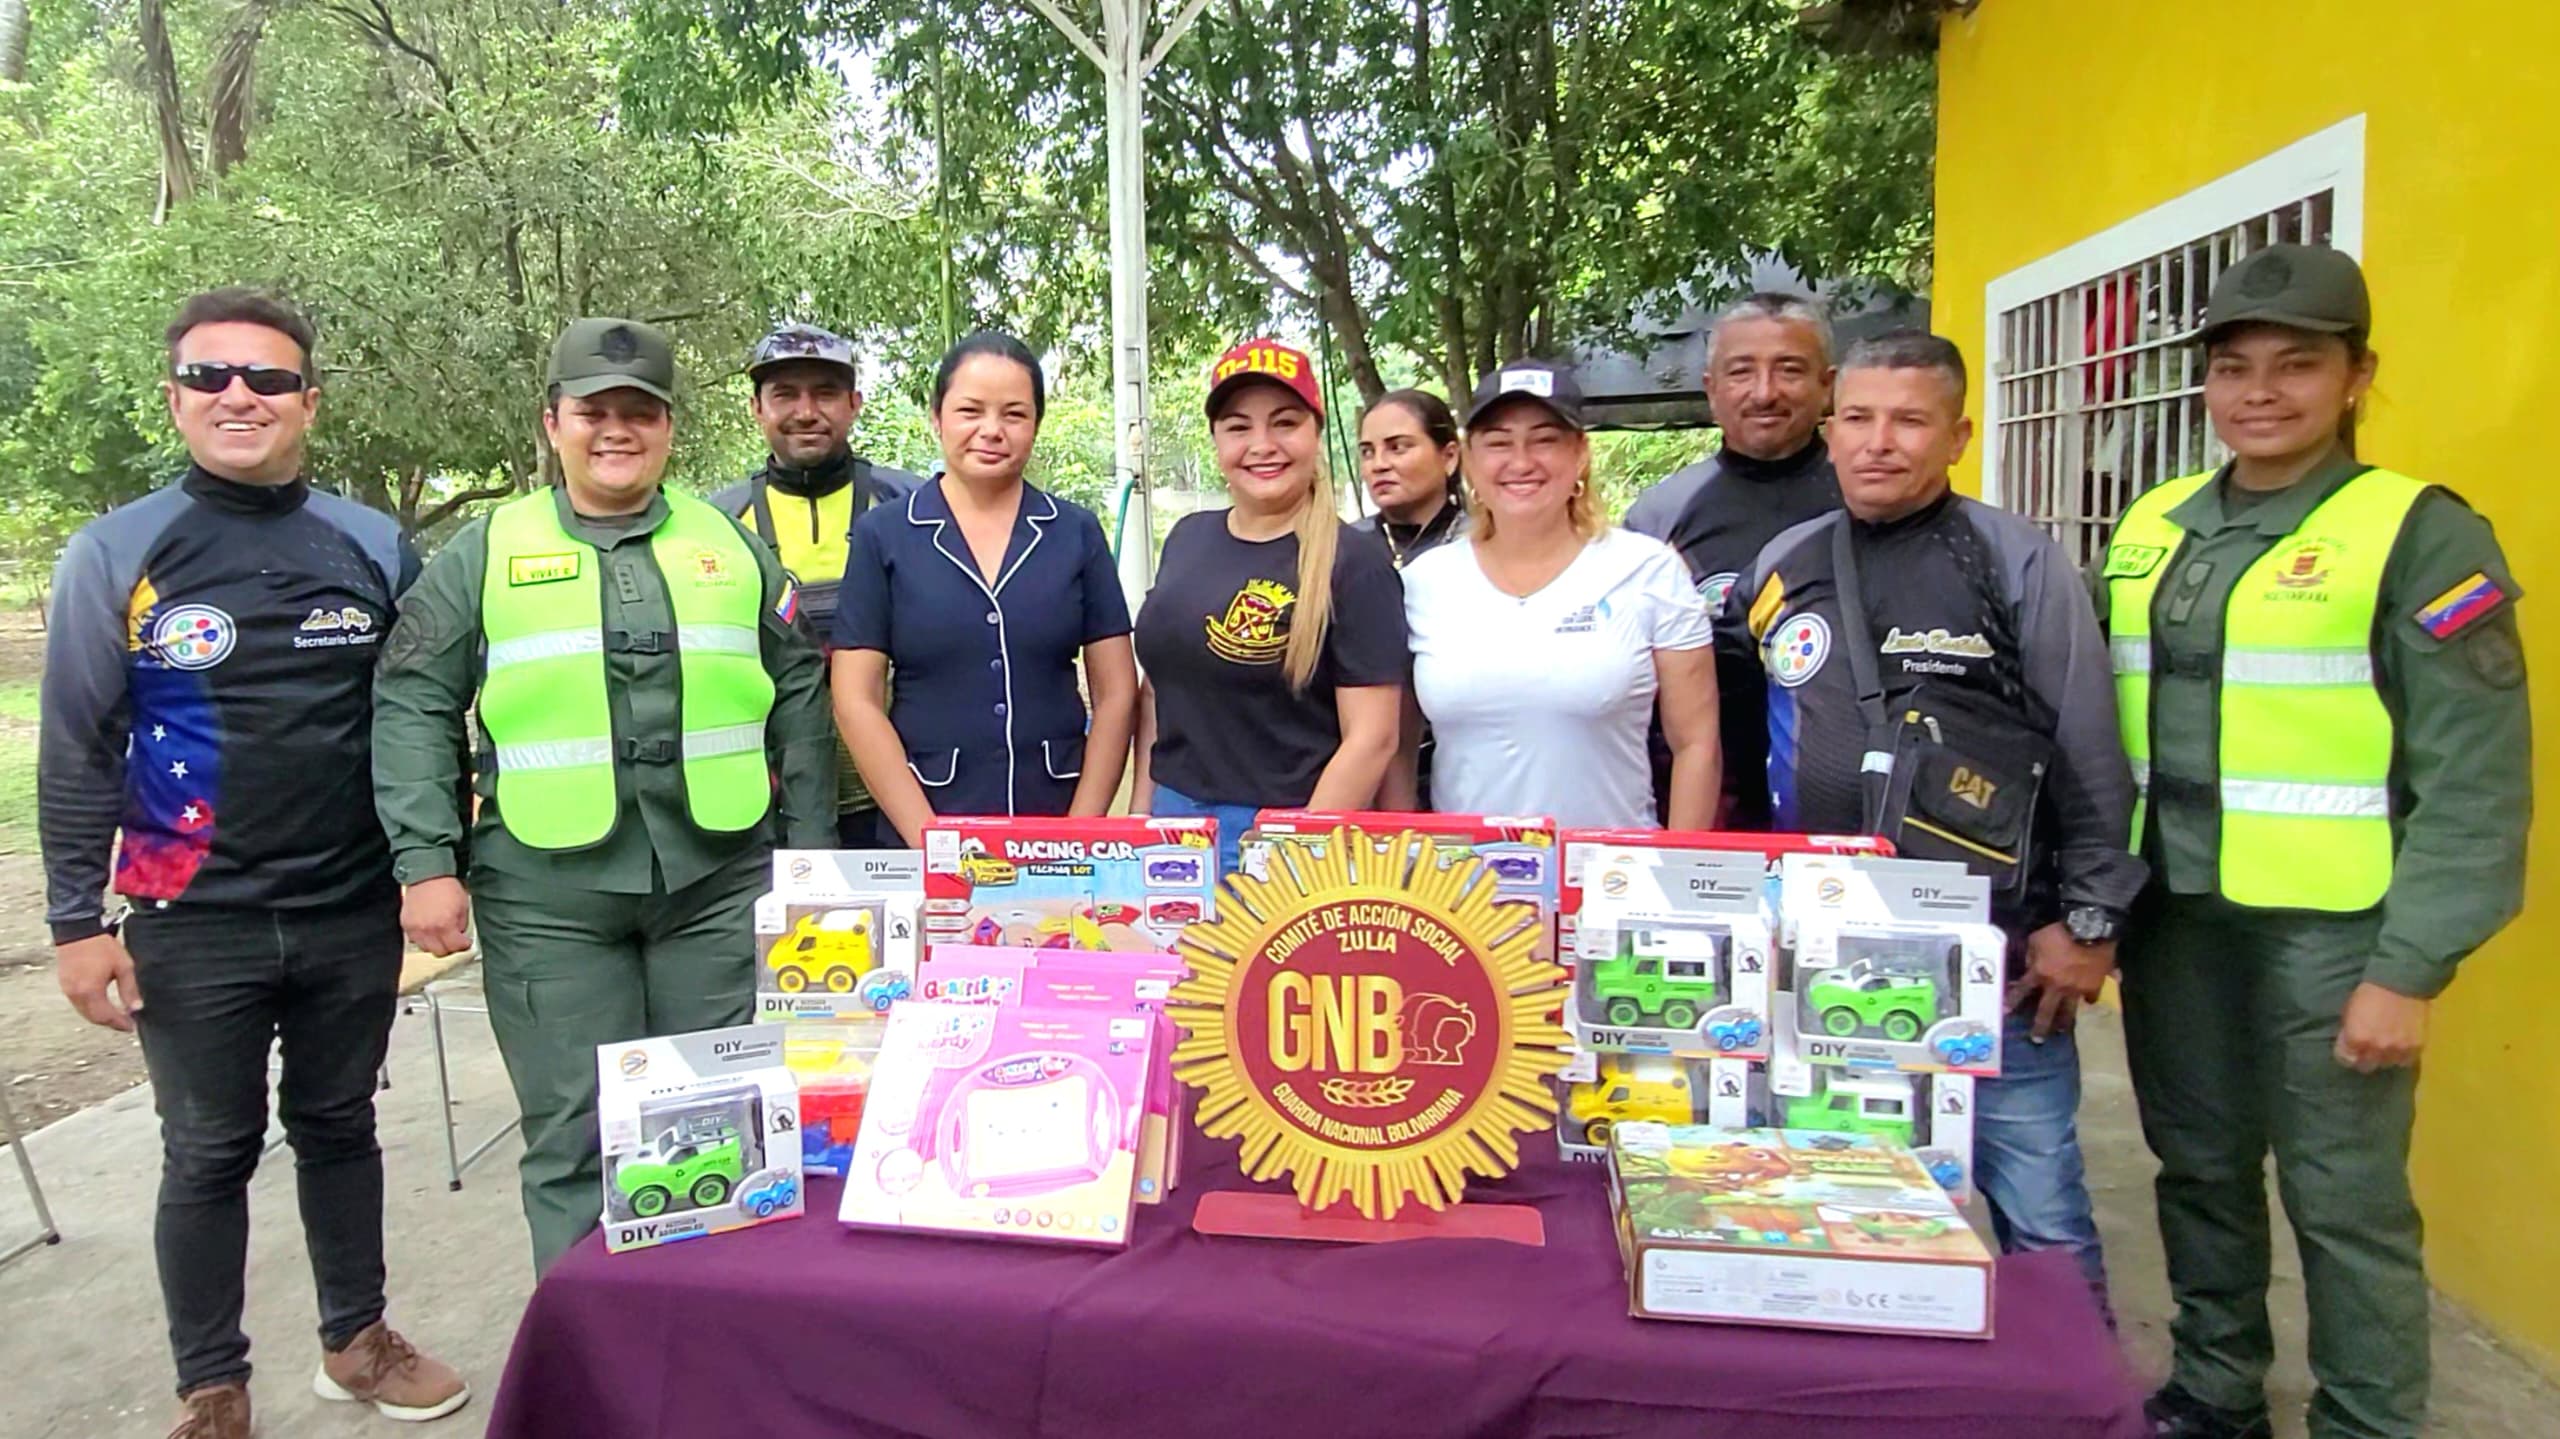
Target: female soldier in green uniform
(2323, 696)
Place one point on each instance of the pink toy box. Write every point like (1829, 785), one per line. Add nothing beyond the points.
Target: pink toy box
(1014, 1121)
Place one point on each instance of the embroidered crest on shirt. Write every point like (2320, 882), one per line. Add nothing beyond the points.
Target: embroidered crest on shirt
(1255, 628)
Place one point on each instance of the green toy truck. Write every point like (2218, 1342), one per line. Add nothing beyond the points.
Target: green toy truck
(1664, 977)
(702, 1167)
(1855, 1104)
(1857, 998)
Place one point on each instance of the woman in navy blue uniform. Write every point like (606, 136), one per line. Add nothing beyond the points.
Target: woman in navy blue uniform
(981, 593)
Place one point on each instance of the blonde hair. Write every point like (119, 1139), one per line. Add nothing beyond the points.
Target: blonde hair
(1318, 526)
(1582, 510)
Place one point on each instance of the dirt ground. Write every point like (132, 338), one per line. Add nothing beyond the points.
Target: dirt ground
(52, 1061)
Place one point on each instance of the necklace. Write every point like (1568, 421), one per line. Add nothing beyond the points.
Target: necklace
(1397, 553)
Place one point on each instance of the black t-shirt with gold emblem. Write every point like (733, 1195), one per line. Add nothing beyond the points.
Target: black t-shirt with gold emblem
(1229, 729)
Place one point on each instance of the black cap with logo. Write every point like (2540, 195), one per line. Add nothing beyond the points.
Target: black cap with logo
(1543, 382)
(2308, 287)
(593, 356)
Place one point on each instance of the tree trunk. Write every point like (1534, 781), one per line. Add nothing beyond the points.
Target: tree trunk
(160, 75)
(13, 41)
(230, 88)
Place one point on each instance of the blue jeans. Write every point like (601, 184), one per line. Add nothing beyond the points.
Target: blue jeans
(1233, 820)
(2026, 1151)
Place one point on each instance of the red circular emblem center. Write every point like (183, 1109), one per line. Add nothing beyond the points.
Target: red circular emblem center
(1368, 1024)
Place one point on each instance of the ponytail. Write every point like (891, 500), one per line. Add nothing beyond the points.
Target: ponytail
(1318, 527)
(2358, 347)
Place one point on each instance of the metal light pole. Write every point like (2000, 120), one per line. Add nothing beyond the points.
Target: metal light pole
(1126, 59)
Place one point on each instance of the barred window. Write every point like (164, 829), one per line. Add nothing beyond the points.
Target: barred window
(2099, 395)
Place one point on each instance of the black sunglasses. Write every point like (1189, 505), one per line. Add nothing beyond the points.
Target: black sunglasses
(213, 379)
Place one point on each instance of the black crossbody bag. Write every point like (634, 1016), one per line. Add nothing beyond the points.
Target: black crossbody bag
(1948, 775)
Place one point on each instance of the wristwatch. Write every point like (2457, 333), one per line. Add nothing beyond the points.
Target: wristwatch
(2093, 923)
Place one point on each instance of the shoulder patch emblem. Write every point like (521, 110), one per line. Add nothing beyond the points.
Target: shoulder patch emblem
(2455, 610)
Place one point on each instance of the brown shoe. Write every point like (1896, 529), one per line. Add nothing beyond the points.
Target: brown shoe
(217, 1411)
(380, 1368)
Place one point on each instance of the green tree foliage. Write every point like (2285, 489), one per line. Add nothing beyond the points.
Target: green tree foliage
(1458, 180)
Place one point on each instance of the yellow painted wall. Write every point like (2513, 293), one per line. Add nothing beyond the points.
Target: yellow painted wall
(2061, 118)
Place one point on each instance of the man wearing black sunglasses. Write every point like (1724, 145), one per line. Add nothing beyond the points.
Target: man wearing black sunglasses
(208, 706)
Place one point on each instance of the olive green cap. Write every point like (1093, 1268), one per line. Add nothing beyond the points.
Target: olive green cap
(593, 356)
(2309, 287)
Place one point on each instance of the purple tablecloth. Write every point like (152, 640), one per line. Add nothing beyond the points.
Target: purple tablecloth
(809, 1328)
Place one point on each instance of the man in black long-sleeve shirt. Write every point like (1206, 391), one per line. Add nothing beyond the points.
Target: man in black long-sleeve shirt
(208, 696)
(1965, 598)
(1768, 383)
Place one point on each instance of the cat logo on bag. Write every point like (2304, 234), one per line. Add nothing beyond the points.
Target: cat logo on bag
(1972, 787)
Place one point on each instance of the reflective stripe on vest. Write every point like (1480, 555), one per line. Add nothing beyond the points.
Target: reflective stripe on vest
(543, 699)
(2304, 741)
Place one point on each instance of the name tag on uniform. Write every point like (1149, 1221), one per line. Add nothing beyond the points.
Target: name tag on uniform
(542, 569)
(2132, 562)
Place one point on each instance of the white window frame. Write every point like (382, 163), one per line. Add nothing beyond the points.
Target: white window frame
(2331, 159)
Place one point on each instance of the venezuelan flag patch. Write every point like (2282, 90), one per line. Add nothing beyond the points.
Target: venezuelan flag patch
(2447, 614)
(788, 607)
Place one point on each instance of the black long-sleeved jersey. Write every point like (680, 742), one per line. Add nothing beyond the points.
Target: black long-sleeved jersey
(208, 693)
(1959, 594)
(1719, 514)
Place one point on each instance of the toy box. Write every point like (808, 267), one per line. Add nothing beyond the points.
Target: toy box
(1929, 1114)
(1014, 1121)
(836, 937)
(1673, 955)
(1812, 1231)
(1520, 851)
(1895, 963)
(700, 1133)
(1648, 1088)
(1075, 979)
(831, 1061)
(1578, 845)
(1039, 883)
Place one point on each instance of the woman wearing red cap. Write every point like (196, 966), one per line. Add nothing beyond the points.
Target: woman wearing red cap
(1274, 649)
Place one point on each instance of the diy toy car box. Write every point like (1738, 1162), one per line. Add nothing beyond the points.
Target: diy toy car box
(1649, 1088)
(1121, 883)
(837, 935)
(1894, 963)
(1578, 845)
(1518, 850)
(1810, 1231)
(700, 1132)
(1012, 1121)
(1929, 1114)
(1673, 955)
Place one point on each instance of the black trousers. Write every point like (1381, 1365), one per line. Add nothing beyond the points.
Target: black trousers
(220, 988)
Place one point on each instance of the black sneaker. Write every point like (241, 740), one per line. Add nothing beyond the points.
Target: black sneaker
(2174, 1414)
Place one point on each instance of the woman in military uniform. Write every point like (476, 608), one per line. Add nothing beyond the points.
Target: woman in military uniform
(2322, 692)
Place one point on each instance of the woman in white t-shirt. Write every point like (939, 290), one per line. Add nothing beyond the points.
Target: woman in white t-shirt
(1540, 643)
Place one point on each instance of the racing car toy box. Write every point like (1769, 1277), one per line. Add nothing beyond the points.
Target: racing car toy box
(836, 936)
(1518, 851)
(700, 1132)
(1121, 883)
(1895, 963)
(1014, 1121)
(1793, 1229)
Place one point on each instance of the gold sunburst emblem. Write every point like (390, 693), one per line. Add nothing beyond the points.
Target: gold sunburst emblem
(1371, 1022)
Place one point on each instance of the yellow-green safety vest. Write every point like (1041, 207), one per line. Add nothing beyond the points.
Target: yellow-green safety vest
(543, 699)
(2305, 741)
